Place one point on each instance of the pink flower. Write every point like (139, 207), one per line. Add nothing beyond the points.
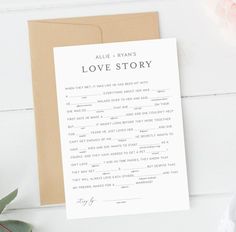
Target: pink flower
(226, 12)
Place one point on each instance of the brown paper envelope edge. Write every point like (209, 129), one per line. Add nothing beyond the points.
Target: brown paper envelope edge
(46, 34)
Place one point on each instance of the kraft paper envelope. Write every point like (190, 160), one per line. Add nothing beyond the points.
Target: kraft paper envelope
(46, 34)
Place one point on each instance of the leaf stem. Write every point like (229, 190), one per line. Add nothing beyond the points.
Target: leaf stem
(5, 228)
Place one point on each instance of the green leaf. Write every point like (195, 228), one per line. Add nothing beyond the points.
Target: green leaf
(8, 199)
(15, 226)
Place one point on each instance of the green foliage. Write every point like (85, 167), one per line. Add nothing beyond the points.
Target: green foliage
(8, 199)
(15, 226)
(12, 225)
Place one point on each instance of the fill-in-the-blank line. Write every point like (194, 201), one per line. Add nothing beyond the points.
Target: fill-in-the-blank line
(123, 185)
(159, 90)
(139, 107)
(158, 99)
(123, 199)
(155, 152)
(149, 175)
(86, 95)
(115, 170)
(118, 116)
(131, 169)
(82, 103)
(122, 139)
(84, 126)
(148, 129)
(102, 110)
(148, 145)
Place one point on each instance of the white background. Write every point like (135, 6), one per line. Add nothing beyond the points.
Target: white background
(208, 85)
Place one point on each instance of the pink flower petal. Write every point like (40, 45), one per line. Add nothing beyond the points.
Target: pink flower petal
(231, 16)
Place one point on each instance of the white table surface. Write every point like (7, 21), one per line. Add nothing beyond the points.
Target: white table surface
(208, 86)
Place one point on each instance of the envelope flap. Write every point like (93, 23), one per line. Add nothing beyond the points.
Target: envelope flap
(62, 34)
(129, 29)
(124, 27)
(100, 19)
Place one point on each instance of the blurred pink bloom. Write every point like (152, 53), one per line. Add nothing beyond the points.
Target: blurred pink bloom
(226, 11)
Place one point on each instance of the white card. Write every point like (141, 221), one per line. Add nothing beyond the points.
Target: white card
(121, 128)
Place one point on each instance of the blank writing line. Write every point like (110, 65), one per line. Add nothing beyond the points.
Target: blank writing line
(144, 130)
(130, 169)
(84, 126)
(118, 116)
(82, 103)
(95, 164)
(123, 199)
(149, 175)
(122, 139)
(155, 152)
(101, 109)
(118, 185)
(107, 170)
(88, 95)
(138, 107)
(147, 145)
(160, 97)
(159, 90)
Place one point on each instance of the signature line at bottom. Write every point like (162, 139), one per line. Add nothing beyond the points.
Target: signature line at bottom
(124, 199)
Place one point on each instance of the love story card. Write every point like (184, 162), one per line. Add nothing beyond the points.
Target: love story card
(121, 128)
